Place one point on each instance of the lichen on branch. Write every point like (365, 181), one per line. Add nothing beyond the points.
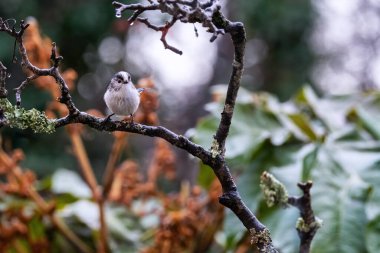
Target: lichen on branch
(21, 118)
(208, 13)
(274, 191)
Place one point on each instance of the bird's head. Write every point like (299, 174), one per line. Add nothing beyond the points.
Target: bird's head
(122, 77)
(119, 80)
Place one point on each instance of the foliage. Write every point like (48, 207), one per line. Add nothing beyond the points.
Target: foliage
(333, 141)
(66, 22)
(279, 32)
(140, 216)
(64, 213)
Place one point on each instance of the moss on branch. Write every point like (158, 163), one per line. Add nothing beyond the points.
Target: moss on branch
(21, 118)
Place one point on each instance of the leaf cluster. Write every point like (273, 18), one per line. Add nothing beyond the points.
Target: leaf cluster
(333, 141)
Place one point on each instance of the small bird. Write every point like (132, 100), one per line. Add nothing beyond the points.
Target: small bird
(122, 97)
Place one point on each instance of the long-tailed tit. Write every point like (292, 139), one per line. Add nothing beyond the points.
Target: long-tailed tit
(122, 97)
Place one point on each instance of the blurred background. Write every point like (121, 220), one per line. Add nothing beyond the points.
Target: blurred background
(330, 46)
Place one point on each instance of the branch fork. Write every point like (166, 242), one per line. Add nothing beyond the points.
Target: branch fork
(180, 10)
(191, 11)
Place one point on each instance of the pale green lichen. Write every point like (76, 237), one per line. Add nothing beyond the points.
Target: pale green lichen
(23, 119)
(262, 236)
(141, 128)
(263, 239)
(303, 227)
(215, 149)
(274, 191)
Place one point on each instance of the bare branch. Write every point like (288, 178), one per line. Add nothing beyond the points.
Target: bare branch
(164, 30)
(208, 14)
(230, 197)
(22, 86)
(53, 71)
(3, 78)
(185, 11)
(307, 224)
(55, 59)
(120, 8)
(275, 193)
(238, 37)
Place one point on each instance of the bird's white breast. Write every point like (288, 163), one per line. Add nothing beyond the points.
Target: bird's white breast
(123, 102)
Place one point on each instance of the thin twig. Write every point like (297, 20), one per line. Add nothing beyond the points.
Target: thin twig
(84, 162)
(22, 86)
(118, 146)
(53, 71)
(164, 31)
(230, 197)
(89, 176)
(185, 11)
(102, 244)
(69, 234)
(3, 78)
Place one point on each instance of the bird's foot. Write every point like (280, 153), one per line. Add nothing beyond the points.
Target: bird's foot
(128, 120)
(108, 118)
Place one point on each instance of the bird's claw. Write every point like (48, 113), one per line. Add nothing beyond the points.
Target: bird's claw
(108, 118)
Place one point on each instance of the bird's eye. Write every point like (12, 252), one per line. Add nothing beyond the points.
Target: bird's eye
(118, 81)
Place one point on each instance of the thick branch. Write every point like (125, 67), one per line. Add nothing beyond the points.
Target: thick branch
(152, 131)
(185, 11)
(230, 198)
(208, 14)
(238, 37)
(37, 72)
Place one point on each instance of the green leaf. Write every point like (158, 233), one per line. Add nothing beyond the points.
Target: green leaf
(318, 142)
(339, 199)
(372, 236)
(22, 246)
(205, 176)
(233, 231)
(85, 211)
(281, 222)
(205, 130)
(368, 120)
(36, 229)
(308, 163)
(303, 125)
(67, 181)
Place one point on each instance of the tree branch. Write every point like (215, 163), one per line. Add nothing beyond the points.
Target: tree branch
(276, 193)
(238, 37)
(209, 15)
(184, 11)
(307, 224)
(3, 78)
(164, 30)
(53, 71)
